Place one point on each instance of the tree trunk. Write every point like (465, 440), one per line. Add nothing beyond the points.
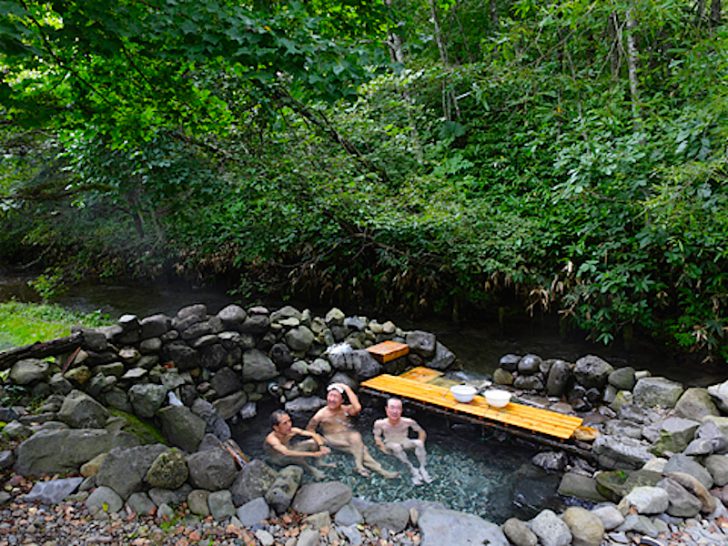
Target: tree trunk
(614, 48)
(494, 15)
(632, 55)
(394, 40)
(715, 12)
(40, 349)
(449, 100)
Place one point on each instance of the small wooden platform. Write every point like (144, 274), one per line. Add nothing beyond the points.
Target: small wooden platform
(414, 385)
(386, 351)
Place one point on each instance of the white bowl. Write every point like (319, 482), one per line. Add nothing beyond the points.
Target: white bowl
(497, 398)
(463, 393)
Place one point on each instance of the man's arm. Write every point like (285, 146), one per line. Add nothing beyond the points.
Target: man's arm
(280, 448)
(355, 406)
(309, 434)
(421, 434)
(378, 432)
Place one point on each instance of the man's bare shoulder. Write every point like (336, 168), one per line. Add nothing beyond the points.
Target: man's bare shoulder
(380, 423)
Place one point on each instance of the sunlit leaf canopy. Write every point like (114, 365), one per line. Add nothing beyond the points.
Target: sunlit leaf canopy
(129, 69)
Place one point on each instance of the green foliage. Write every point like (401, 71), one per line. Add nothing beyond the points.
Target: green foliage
(26, 323)
(509, 159)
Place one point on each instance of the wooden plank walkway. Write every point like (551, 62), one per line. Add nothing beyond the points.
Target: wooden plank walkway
(414, 385)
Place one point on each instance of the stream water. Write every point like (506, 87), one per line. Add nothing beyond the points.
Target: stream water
(483, 473)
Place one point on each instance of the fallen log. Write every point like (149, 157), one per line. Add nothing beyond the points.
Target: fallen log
(40, 349)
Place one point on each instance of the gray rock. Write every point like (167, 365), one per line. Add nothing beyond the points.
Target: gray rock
(299, 339)
(616, 452)
(229, 406)
(58, 385)
(308, 537)
(695, 404)
(682, 503)
(592, 371)
(558, 378)
(154, 326)
(252, 481)
(657, 391)
(280, 495)
(586, 528)
(123, 470)
(387, 515)
(443, 358)
(281, 355)
(639, 524)
(675, 435)
(147, 398)
(213, 469)
(7, 458)
(687, 465)
(64, 450)
(421, 343)
(221, 505)
(348, 515)
(170, 497)
(623, 379)
(646, 500)
(181, 427)
(15, 430)
(197, 502)
(717, 465)
(319, 497)
(140, 503)
(232, 316)
(253, 512)
(502, 377)
(518, 533)
(168, 471)
(509, 362)
(696, 488)
(719, 392)
(440, 527)
(550, 529)
(52, 491)
(28, 371)
(104, 499)
(529, 364)
(255, 325)
(257, 366)
(579, 486)
(320, 367)
(182, 355)
(609, 515)
(554, 461)
(79, 410)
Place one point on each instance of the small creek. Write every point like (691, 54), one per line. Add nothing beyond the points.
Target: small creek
(477, 472)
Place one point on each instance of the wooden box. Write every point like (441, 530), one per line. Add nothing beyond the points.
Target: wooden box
(386, 351)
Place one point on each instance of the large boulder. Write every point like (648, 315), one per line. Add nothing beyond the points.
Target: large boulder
(257, 366)
(443, 358)
(79, 410)
(280, 495)
(329, 497)
(182, 355)
(61, 451)
(147, 398)
(683, 504)
(623, 379)
(421, 343)
(620, 452)
(181, 427)
(123, 470)
(719, 392)
(695, 404)
(154, 326)
(657, 391)
(29, 370)
(592, 371)
(675, 435)
(586, 528)
(558, 378)
(252, 481)
(646, 500)
(687, 465)
(387, 515)
(213, 469)
(168, 471)
(299, 339)
(550, 529)
(440, 527)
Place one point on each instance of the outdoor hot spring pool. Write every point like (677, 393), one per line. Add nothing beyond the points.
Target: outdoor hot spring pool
(479, 472)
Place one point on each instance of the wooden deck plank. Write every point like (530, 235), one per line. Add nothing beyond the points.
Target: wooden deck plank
(421, 374)
(517, 415)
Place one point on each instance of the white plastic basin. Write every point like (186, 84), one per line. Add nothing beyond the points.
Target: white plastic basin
(497, 398)
(463, 393)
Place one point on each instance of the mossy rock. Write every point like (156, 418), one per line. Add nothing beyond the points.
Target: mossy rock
(144, 430)
(615, 484)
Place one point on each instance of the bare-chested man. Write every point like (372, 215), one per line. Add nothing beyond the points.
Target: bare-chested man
(391, 437)
(282, 452)
(334, 419)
